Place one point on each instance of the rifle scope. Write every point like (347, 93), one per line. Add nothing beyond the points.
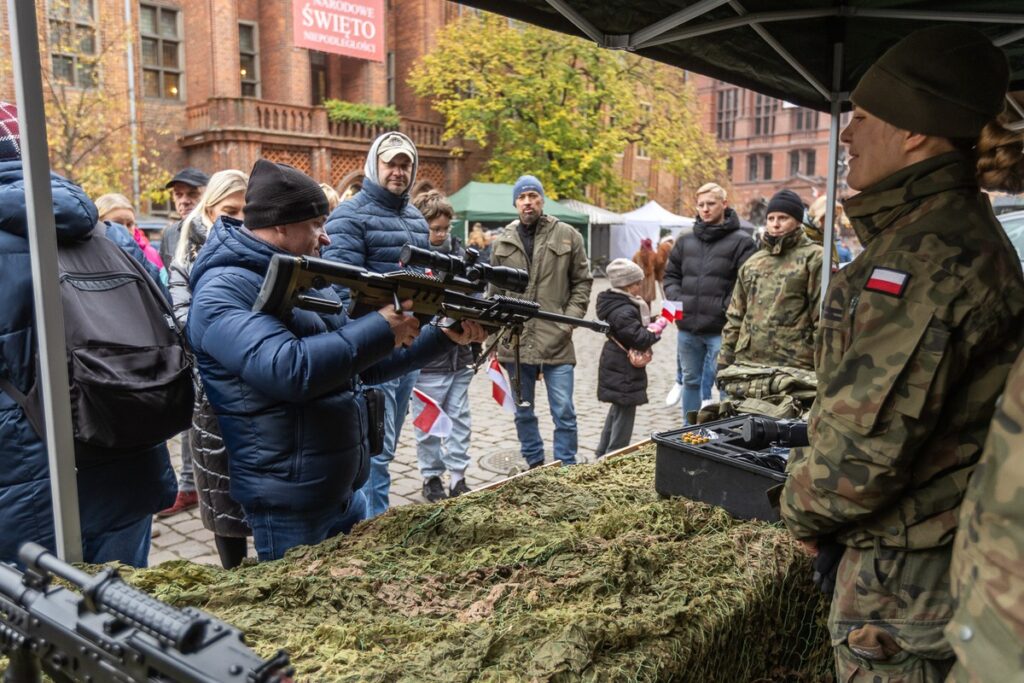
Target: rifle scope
(502, 277)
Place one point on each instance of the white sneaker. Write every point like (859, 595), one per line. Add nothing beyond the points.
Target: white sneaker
(707, 402)
(674, 394)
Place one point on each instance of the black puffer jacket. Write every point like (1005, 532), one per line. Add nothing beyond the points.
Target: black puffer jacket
(617, 380)
(701, 272)
(220, 513)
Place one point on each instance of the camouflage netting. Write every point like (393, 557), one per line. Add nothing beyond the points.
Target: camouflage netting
(581, 573)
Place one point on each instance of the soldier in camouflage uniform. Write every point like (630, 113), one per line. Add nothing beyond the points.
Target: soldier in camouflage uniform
(775, 303)
(987, 630)
(916, 339)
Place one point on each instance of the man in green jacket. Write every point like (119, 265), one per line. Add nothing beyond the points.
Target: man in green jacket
(916, 338)
(553, 253)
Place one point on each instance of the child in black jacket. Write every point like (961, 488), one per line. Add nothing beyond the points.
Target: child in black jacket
(618, 381)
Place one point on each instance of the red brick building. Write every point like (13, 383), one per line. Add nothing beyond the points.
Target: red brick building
(219, 83)
(771, 144)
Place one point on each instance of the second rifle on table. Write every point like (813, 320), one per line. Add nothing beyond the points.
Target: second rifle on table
(452, 290)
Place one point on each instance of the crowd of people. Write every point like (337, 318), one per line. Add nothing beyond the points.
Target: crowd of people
(296, 419)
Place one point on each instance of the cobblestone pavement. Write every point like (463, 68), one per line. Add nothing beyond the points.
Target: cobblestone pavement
(494, 448)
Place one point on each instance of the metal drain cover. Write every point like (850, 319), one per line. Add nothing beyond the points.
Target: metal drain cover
(507, 463)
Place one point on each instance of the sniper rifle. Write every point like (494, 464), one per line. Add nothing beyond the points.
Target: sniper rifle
(453, 294)
(113, 632)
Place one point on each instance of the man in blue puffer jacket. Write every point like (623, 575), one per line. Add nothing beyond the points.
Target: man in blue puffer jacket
(369, 231)
(288, 393)
(118, 492)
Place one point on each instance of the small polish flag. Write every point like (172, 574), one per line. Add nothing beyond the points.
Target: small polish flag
(431, 419)
(499, 387)
(887, 281)
(672, 310)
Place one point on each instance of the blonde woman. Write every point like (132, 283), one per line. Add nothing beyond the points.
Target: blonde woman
(332, 196)
(116, 208)
(204, 476)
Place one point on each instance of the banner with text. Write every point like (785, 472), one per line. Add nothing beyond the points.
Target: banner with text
(354, 28)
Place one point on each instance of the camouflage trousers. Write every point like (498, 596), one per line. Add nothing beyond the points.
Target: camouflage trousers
(888, 612)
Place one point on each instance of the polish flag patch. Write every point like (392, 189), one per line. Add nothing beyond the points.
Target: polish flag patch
(887, 281)
(672, 310)
(499, 387)
(432, 419)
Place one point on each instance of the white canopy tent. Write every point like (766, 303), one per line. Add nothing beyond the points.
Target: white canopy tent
(646, 222)
(603, 223)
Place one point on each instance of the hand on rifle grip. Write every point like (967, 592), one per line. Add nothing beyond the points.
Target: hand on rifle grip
(472, 332)
(405, 327)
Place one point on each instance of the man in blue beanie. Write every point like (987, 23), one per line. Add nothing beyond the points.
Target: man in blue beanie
(554, 255)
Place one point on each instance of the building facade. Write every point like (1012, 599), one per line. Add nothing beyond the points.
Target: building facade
(219, 83)
(771, 145)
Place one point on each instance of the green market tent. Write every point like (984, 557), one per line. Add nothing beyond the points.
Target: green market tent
(492, 203)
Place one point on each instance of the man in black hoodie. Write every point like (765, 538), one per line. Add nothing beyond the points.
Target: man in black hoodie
(701, 272)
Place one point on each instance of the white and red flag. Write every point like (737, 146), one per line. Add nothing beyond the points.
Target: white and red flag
(887, 281)
(499, 387)
(672, 310)
(431, 419)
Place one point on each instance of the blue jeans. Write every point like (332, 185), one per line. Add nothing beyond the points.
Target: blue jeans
(559, 381)
(129, 545)
(274, 532)
(396, 407)
(698, 354)
(451, 391)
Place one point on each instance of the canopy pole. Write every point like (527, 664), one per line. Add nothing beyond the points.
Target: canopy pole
(681, 17)
(49, 316)
(579, 21)
(782, 52)
(828, 228)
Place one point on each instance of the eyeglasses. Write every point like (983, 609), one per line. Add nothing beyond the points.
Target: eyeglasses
(432, 229)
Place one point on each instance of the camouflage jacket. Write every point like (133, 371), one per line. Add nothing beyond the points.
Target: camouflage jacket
(915, 341)
(775, 303)
(987, 630)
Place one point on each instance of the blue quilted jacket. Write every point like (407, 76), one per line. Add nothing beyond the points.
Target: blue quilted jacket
(370, 230)
(114, 489)
(287, 393)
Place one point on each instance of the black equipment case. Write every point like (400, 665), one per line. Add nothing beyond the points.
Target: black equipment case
(713, 472)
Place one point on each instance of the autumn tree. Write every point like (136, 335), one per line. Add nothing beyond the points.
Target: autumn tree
(562, 108)
(88, 125)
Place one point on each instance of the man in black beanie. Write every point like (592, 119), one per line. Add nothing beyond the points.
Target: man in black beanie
(773, 314)
(916, 338)
(288, 392)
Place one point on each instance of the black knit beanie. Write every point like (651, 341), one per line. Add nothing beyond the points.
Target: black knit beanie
(947, 81)
(786, 201)
(278, 194)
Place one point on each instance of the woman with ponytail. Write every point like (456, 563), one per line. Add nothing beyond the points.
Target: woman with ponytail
(204, 475)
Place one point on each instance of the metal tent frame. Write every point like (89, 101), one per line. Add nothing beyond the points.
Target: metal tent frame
(696, 21)
(652, 38)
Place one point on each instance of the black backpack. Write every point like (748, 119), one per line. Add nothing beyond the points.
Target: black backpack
(129, 373)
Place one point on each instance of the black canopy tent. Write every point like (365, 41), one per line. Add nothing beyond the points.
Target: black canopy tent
(785, 49)
(808, 52)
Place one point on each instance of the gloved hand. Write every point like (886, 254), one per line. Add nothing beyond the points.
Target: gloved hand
(826, 565)
(658, 326)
